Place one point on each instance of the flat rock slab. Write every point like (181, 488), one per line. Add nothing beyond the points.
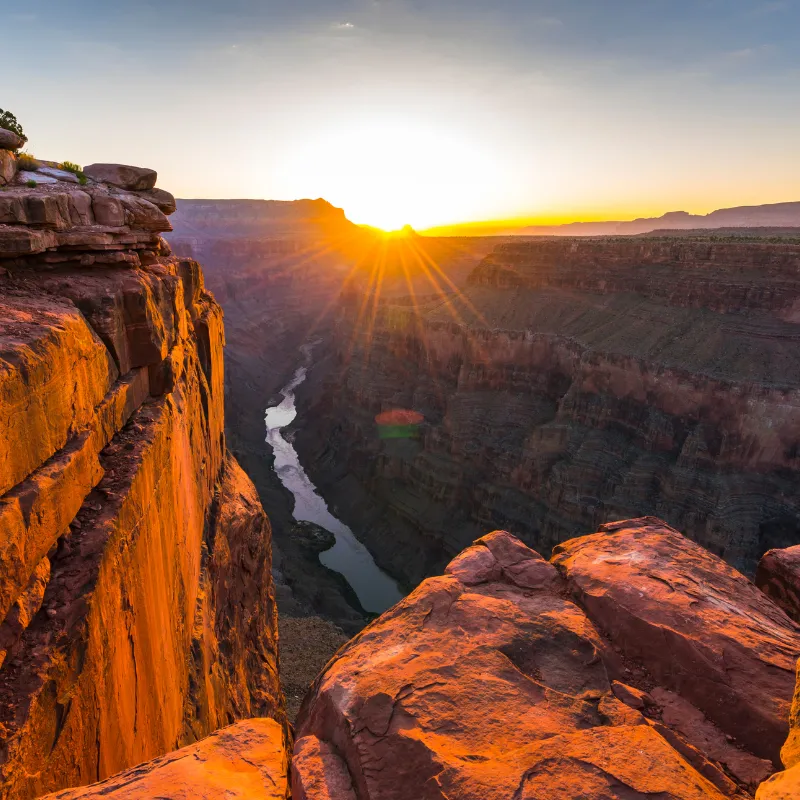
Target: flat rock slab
(246, 760)
(122, 175)
(699, 627)
(59, 174)
(38, 177)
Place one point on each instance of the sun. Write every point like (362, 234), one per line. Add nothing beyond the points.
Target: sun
(389, 171)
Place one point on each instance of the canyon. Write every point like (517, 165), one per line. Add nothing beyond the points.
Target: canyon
(279, 270)
(572, 454)
(570, 383)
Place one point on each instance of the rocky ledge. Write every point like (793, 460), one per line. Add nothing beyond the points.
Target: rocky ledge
(247, 760)
(47, 217)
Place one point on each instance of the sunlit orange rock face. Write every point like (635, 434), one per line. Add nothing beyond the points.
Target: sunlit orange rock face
(786, 785)
(136, 604)
(246, 761)
(633, 665)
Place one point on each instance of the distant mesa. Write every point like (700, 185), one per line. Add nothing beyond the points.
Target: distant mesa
(779, 215)
(259, 218)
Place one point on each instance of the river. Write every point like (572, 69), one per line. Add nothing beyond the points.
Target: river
(376, 591)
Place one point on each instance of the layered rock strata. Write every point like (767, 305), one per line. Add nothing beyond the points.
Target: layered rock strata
(136, 601)
(571, 383)
(632, 665)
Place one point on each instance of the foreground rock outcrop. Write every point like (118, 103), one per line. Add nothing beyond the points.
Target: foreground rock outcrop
(137, 610)
(568, 384)
(634, 664)
(247, 760)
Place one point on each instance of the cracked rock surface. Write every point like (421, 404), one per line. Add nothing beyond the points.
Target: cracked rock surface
(503, 678)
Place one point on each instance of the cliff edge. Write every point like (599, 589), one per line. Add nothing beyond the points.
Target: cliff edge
(136, 597)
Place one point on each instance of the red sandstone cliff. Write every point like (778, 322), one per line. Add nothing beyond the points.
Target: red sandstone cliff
(136, 598)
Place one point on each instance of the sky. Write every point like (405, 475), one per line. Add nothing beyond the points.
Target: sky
(422, 112)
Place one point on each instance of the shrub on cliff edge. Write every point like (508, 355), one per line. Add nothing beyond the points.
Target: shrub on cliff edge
(10, 123)
(25, 161)
(71, 166)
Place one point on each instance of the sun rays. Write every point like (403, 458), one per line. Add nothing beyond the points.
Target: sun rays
(382, 273)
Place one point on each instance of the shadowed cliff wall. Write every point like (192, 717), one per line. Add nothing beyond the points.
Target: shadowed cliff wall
(571, 384)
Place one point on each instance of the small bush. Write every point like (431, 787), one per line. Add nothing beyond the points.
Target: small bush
(71, 166)
(25, 161)
(9, 122)
(31, 184)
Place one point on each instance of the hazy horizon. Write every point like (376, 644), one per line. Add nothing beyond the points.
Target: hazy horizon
(421, 112)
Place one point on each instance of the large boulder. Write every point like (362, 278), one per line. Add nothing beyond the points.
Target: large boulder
(247, 760)
(778, 576)
(122, 175)
(485, 684)
(696, 625)
(10, 141)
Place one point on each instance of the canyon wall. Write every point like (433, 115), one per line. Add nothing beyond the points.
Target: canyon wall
(136, 598)
(571, 383)
(271, 267)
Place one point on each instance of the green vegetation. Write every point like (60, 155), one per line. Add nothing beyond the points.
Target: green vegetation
(71, 166)
(31, 184)
(10, 123)
(25, 161)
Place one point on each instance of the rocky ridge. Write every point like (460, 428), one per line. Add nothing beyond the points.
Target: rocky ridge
(136, 603)
(770, 215)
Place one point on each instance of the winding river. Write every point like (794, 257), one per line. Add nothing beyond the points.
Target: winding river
(376, 591)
